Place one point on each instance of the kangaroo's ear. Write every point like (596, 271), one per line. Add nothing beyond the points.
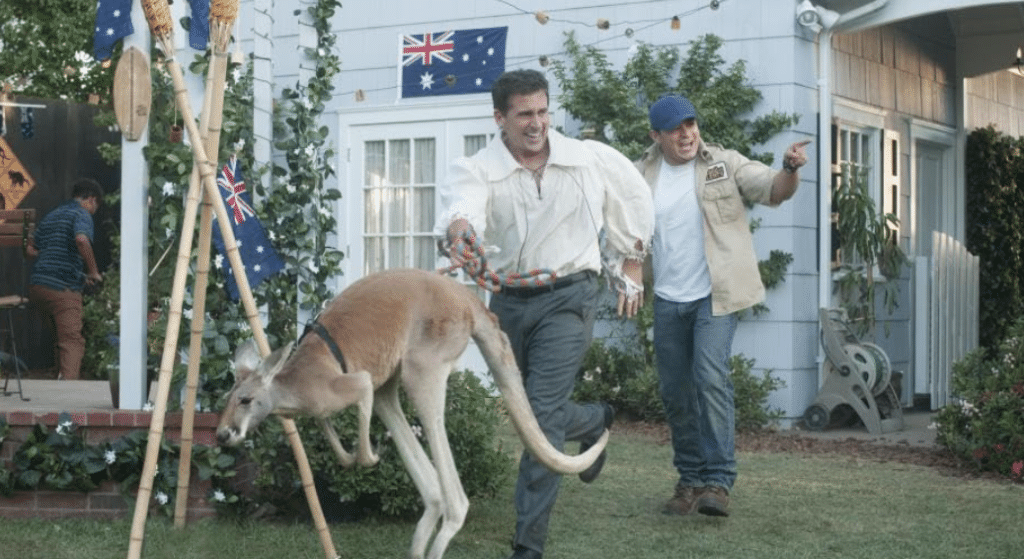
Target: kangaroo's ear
(247, 359)
(273, 363)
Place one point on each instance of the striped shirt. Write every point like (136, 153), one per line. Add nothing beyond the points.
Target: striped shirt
(59, 265)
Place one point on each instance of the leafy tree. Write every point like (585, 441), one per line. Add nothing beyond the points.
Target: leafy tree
(46, 50)
(614, 103)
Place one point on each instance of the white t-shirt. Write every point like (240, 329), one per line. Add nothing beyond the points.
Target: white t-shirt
(680, 267)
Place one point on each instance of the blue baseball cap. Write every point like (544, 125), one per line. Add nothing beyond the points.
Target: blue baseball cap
(667, 112)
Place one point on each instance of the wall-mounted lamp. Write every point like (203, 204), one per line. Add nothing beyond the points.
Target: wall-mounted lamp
(814, 17)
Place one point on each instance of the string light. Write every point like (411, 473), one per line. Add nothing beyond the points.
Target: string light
(543, 17)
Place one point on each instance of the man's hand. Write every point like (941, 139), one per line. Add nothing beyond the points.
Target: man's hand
(629, 305)
(92, 279)
(795, 156)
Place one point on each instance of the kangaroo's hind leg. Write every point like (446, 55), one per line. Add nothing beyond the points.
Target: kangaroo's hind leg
(421, 470)
(427, 389)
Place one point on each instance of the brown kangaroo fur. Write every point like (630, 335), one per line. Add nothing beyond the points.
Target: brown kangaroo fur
(396, 328)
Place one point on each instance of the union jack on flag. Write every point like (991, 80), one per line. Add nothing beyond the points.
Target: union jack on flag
(424, 48)
(232, 185)
(451, 62)
(258, 255)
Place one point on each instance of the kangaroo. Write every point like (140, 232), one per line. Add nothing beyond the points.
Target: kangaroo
(399, 328)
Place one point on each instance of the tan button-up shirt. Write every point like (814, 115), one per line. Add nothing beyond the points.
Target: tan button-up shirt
(725, 178)
(586, 187)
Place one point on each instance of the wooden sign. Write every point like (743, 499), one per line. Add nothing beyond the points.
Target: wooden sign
(15, 182)
(133, 90)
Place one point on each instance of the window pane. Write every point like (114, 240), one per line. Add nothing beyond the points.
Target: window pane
(398, 255)
(372, 212)
(426, 251)
(423, 209)
(398, 162)
(374, 164)
(425, 157)
(374, 257)
(473, 144)
(396, 200)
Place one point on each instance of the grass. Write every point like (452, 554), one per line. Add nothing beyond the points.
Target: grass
(784, 506)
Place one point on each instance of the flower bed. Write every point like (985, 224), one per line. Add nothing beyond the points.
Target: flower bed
(96, 428)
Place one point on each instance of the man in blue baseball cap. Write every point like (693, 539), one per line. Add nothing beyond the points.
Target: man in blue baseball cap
(704, 271)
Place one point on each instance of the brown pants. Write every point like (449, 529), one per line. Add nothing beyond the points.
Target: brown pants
(66, 309)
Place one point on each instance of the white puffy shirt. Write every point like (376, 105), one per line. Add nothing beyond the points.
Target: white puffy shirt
(586, 187)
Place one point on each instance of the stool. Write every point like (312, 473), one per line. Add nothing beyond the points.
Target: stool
(7, 306)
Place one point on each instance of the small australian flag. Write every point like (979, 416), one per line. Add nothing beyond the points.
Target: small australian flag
(258, 256)
(452, 62)
(113, 23)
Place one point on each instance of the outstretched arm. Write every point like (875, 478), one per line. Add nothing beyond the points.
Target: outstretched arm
(785, 182)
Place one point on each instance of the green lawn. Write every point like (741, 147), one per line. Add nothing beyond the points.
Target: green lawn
(785, 506)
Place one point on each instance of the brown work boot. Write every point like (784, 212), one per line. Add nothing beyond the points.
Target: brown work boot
(714, 501)
(684, 502)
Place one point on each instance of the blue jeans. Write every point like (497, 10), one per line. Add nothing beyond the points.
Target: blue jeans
(692, 347)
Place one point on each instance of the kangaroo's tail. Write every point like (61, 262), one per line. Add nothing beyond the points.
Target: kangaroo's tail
(497, 353)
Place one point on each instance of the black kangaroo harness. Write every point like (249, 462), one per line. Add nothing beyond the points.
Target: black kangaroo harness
(319, 329)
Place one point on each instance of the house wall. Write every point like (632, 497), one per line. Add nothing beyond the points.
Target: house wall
(903, 77)
(995, 99)
(779, 62)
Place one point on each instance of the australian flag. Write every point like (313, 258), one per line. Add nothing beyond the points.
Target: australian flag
(199, 24)
(452, 62)
(113, 23)
(258, 256)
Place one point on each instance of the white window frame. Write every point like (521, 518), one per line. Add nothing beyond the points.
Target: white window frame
(352, 123)
(867, 123)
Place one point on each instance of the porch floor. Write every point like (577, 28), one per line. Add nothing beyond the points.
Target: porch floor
(57, 395)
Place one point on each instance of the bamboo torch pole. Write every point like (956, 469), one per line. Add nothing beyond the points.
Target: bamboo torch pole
(161, 25)
(209, 124)
(159, 17)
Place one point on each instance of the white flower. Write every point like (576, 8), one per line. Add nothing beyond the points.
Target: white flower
(64, 427)
(218, 261)
(290, 189)
(310, 150)
(218, 496)
(161, 497)
(168, 188)
(110, 456)
(418, 431)
(148, 406)
(969, 409)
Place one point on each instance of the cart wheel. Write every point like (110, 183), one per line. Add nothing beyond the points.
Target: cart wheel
(816, 417)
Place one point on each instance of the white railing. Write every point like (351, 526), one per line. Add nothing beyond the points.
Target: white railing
(946, 315)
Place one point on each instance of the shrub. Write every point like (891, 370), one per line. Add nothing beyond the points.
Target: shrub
(471, 419)
(61, 460)
(628, 380)
(984, 425)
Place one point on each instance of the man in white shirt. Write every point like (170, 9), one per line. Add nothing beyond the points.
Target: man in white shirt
(541, 201)
(704, 271)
